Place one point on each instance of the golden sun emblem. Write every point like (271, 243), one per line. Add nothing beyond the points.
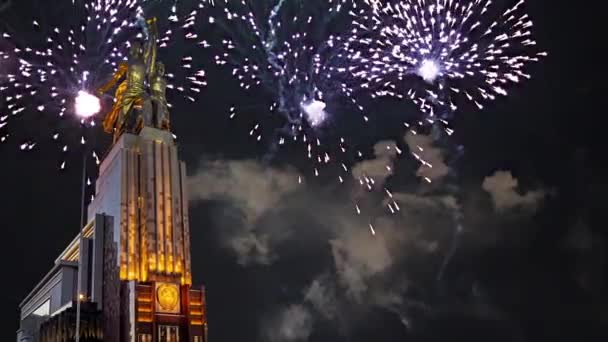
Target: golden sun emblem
(167, 297)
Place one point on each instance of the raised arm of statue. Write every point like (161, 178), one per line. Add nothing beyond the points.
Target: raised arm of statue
(151, 47)
(122, 70)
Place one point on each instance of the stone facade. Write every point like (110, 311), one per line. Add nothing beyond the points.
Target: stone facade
(135, 255)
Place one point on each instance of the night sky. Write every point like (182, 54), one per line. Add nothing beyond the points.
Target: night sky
(283, 262)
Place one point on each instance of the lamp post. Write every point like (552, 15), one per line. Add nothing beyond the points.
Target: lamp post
(86, 105)
(79, 295)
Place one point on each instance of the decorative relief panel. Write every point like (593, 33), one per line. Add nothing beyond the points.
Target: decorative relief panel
(167, 298)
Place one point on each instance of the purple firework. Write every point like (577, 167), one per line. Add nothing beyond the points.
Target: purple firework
(440, 53)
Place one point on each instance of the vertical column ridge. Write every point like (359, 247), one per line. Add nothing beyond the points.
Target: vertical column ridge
(160, 207)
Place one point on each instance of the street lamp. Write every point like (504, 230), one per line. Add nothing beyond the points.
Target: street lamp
(86, 106)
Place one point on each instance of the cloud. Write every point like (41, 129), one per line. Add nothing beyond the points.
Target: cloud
(363, 265)
(381, 166)
(503, 187)
(322, 295)
(255, 190)
(358, 257)
(433, 165)
(292, 324)
(372, 269)
(252, 248)
(395, 270)
(251, 186)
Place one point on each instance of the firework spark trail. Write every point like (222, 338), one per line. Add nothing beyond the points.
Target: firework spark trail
(46, 74)
(281, 53)
(285, 48)
(453, 247)
(440, 53)
(270, 45)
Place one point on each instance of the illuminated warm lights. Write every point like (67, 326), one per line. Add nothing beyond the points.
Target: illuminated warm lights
(144, 303)
(167, 298)
(73, 254)
(157, 248)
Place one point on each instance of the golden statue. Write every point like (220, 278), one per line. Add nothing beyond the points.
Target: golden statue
(158, 83)
(131, 96)
(150, 53)
(158, 88)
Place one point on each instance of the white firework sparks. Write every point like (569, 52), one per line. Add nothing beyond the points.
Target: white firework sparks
(314, 111)
(290, 50)
(51, 69)
(286, 49)
(86, 105)
(441, 53)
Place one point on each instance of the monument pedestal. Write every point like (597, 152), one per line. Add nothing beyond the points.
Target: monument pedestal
(147, 273)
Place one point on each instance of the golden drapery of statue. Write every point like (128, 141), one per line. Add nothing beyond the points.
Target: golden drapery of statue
(111, 119)
(134, 107)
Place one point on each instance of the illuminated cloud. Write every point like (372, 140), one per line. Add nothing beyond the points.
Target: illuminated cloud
(503, 188)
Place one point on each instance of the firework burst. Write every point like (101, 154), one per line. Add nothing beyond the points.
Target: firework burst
(66, 55)
(294, 52)
(291, 50)
(441, 53)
